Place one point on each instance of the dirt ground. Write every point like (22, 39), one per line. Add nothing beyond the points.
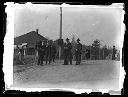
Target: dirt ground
(91, 74)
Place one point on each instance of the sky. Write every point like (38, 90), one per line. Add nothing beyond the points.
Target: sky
(85, 23)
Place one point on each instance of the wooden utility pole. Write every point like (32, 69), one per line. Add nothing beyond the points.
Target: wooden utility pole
(60, 37)
(103, 54)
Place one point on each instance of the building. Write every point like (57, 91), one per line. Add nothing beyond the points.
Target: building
(30, 38)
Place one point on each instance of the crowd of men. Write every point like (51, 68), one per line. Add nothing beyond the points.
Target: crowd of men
(68, 54)
(47, 51)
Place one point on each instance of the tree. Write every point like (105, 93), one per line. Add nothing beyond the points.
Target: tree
(96, 43)
(73, 40)
(105, 51)
(95, 49)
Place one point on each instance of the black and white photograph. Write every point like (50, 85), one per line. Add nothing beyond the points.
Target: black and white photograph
(74, 46)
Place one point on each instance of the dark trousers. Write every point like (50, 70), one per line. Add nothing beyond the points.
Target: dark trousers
(67, 58)
(87, 56)
(113, 57)
(70, 58)
(53, 58)
(48, 58)
(40, 59)
(78, 59)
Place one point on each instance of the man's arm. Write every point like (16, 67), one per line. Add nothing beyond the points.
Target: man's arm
(81, 47)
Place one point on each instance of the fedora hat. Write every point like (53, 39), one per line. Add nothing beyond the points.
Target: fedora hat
(67, 39)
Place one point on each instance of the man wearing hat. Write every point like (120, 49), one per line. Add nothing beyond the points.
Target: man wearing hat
(78, 52)
(50, 52)
(113, 53)
(87, 53)
(67, 52)
(53, 52)
(38, 47)
(42, 54)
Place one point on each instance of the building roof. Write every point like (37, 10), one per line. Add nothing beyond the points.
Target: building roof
(30, 38)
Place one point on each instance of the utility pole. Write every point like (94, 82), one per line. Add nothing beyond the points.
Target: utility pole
(90, 53)
(60, 37)
(99, 53)
(103, 54)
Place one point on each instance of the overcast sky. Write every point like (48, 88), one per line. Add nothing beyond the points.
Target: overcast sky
(87, 24)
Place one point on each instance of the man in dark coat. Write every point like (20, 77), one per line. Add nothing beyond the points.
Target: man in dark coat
(38, 47)
(47, 52)
(53, 52)
(21, 51)
(50, 52)
(67, 52)
(78, 52)
(41, 52)
(87, 53)
(113, 53)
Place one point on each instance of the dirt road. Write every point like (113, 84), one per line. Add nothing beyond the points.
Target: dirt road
(90, 74)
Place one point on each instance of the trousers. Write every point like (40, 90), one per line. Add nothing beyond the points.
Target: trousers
(78, 58)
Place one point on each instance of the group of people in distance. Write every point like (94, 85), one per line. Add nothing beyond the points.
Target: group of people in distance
(68, 54)
(47, 50)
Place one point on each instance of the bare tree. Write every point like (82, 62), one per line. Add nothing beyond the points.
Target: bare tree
(96, 48)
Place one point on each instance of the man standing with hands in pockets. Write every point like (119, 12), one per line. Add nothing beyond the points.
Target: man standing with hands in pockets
(67, 52)
(78, 52)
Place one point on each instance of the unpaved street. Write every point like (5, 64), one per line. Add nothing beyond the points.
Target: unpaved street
(90, 74)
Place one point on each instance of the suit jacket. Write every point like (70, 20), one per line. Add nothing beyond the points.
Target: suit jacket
(67, 48)
(114, 51)
(78, 48)
(50, 50)
(53, 50)
(43, 49)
